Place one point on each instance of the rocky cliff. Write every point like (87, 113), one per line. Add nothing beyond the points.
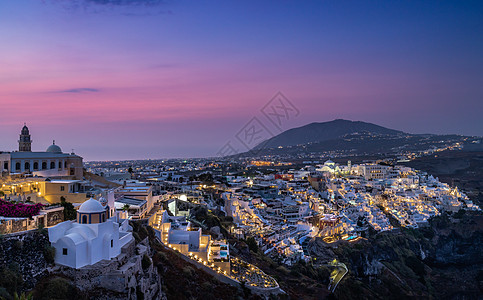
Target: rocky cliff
(443, 261)
(25, 257)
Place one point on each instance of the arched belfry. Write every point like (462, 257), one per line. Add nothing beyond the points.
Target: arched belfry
(25, 143)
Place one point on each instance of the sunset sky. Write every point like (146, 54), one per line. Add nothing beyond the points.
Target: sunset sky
(132, 79)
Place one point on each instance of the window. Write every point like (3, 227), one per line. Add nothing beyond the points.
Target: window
(84, 219)
(27, 166)
(72, 172)
(5, 165)
(52, 165)
(17, 166)
(44, 165)
(64, 251)
(112, 243)
(103, 218)
(62, 188)
(60, 165)
(65, 165)
(36, 165)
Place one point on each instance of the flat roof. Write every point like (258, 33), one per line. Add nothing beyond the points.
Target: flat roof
(131, 201)
(64, 181)
(34, 155)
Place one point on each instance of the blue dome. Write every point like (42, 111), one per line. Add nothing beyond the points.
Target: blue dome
(54, 148)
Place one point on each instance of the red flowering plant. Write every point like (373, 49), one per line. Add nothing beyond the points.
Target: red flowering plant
(19, 210)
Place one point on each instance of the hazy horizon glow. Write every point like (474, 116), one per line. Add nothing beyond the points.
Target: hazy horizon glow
(141, 79)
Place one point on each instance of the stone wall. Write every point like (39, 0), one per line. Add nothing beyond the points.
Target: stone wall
(12, 225)
(54, 216)
(27, 250)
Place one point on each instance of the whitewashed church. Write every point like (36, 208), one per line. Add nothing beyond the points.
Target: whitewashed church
(93, 237)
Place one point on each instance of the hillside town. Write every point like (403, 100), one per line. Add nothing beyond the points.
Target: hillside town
(274, 207)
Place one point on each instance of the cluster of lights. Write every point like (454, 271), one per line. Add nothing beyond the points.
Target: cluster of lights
(266, 282)
(204, 262)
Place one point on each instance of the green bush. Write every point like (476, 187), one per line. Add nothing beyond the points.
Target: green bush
(10, 278)
(206, 286)
(283, 270)
(49, 253)
(145, 262)
(4, 293)
(188, 271)
(69, 211)
(57, 289)
(252, 244)
(136, 237)
(160, 257)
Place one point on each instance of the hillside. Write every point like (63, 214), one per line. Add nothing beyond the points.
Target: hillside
(319, 132)
(343, 138)
(441, 261)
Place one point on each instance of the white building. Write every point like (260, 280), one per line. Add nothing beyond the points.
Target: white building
(374, 171)
(91, 238)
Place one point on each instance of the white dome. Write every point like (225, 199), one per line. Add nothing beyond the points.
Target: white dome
(91, 206)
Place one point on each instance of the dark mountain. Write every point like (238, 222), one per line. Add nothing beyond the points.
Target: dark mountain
(325, 131)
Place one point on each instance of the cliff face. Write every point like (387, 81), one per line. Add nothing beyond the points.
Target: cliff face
(443, 260)
(184, 280)
(131, 275)
(26, 263)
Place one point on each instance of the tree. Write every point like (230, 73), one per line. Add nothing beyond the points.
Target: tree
(252, 244)
(126, 207)
(49, 253)
(145, 262)
(10, 278)
(69, 211)
(57, 288)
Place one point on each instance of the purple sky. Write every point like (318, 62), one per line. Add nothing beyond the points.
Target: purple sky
(133, 79)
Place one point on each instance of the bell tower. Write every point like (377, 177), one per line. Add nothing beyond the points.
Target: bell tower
(25, 143)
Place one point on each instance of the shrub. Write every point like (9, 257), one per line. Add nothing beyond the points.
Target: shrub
(10, 278)
(145, 262)
(49, 253)
(69, 211)
(136, 237)
(252, 244)
(188, 272)
(160, 257)
(56, 289)
(206, 286)
(283, 270)
(4, 293)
